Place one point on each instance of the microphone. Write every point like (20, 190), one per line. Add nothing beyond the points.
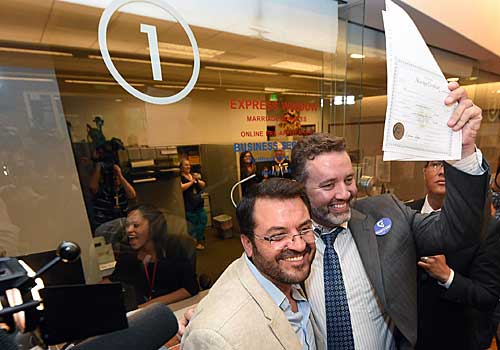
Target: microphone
(7, 341)
(149, 329)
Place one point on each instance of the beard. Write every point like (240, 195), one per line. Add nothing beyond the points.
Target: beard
(324, 217)
(292, 275)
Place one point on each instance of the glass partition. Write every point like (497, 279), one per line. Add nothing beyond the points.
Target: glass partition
(270, 72)
(78, 149)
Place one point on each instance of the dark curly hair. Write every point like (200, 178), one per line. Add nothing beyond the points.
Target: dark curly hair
(309, 148)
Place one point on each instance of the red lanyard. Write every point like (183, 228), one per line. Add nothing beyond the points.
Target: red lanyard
(151, 282)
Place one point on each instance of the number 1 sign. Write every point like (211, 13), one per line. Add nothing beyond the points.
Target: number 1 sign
(153, 51)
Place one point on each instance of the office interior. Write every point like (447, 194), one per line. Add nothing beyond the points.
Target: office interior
(323, 62)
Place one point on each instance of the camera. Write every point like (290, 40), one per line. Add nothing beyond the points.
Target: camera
(107, 156)
(26, 305)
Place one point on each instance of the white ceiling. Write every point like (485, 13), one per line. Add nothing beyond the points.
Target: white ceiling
(69, 27)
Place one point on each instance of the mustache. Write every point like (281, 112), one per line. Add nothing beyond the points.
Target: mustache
(350, 201)
(293, 253)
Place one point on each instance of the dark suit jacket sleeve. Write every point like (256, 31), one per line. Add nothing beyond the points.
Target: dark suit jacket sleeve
(459, 222)
(482, 289)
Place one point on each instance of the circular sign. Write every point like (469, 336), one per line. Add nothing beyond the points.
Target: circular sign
(103, 45)
(398, 131)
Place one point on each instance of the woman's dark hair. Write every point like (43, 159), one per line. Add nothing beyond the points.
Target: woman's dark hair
(157, 227)
(243, 170)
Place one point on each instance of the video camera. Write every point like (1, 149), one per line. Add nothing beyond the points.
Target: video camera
(91, 316)
(106, 153)
(55, 314)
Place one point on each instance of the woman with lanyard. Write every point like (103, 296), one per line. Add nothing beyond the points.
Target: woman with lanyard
(157, 265)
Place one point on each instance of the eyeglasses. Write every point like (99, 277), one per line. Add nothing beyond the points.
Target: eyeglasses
(282, 240)
(435, 166)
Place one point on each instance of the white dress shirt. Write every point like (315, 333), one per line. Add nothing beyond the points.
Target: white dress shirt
(371, 326)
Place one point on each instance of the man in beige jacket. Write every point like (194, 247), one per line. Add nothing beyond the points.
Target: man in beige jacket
(258, 303)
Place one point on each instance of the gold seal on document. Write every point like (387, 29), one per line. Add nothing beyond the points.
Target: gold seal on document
(398, 130)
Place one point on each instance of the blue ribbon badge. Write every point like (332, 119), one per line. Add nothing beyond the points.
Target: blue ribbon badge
(382, 227)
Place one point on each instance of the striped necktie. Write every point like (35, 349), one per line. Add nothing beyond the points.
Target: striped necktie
(338, 319)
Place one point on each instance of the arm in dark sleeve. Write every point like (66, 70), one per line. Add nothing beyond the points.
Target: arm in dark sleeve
(482, 289)
(187, 274)
(459, 222)
(124, 267)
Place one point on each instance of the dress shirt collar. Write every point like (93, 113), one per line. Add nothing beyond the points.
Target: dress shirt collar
(426, 208)
(278, 297)
(321, 230)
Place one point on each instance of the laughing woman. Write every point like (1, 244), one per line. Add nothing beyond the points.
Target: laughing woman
(158, 264)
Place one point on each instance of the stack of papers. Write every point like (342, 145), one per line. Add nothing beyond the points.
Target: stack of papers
(416, 118)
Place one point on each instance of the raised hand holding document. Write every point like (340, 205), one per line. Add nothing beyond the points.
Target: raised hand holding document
(416, 118)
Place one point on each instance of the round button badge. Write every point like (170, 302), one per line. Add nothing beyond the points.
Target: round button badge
(382, 227)
(103, 45)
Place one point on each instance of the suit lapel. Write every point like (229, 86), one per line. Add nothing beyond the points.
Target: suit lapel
(277, 321)
(361, 227)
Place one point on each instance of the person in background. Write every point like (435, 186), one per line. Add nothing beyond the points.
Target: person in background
(258, 303)
(248, 167)
(112, 193)
(191, 186)
(157, 264)
(456, 292)
(281, 166)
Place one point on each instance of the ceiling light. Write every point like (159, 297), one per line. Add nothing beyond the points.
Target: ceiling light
(274, 89)
(245, 90)
(340, 100)
(238, 70)
(357, 56)
(164, 86)
(297, 66)
(350, 100)
(96, 82)
(314, 77)
(35, 52)
(118, 100)
(136, 60)
(184, 50)
(204, 88)
(473, 78)
(451, 80)
(27, 79)
(302, 94)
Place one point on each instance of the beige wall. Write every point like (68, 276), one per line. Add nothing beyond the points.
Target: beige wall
(478, 21)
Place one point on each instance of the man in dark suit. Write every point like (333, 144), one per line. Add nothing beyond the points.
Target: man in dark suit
(456, 292)
(369, 300)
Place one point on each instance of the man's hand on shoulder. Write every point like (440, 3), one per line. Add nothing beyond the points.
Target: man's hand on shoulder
(466, 117)
(184, 321)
